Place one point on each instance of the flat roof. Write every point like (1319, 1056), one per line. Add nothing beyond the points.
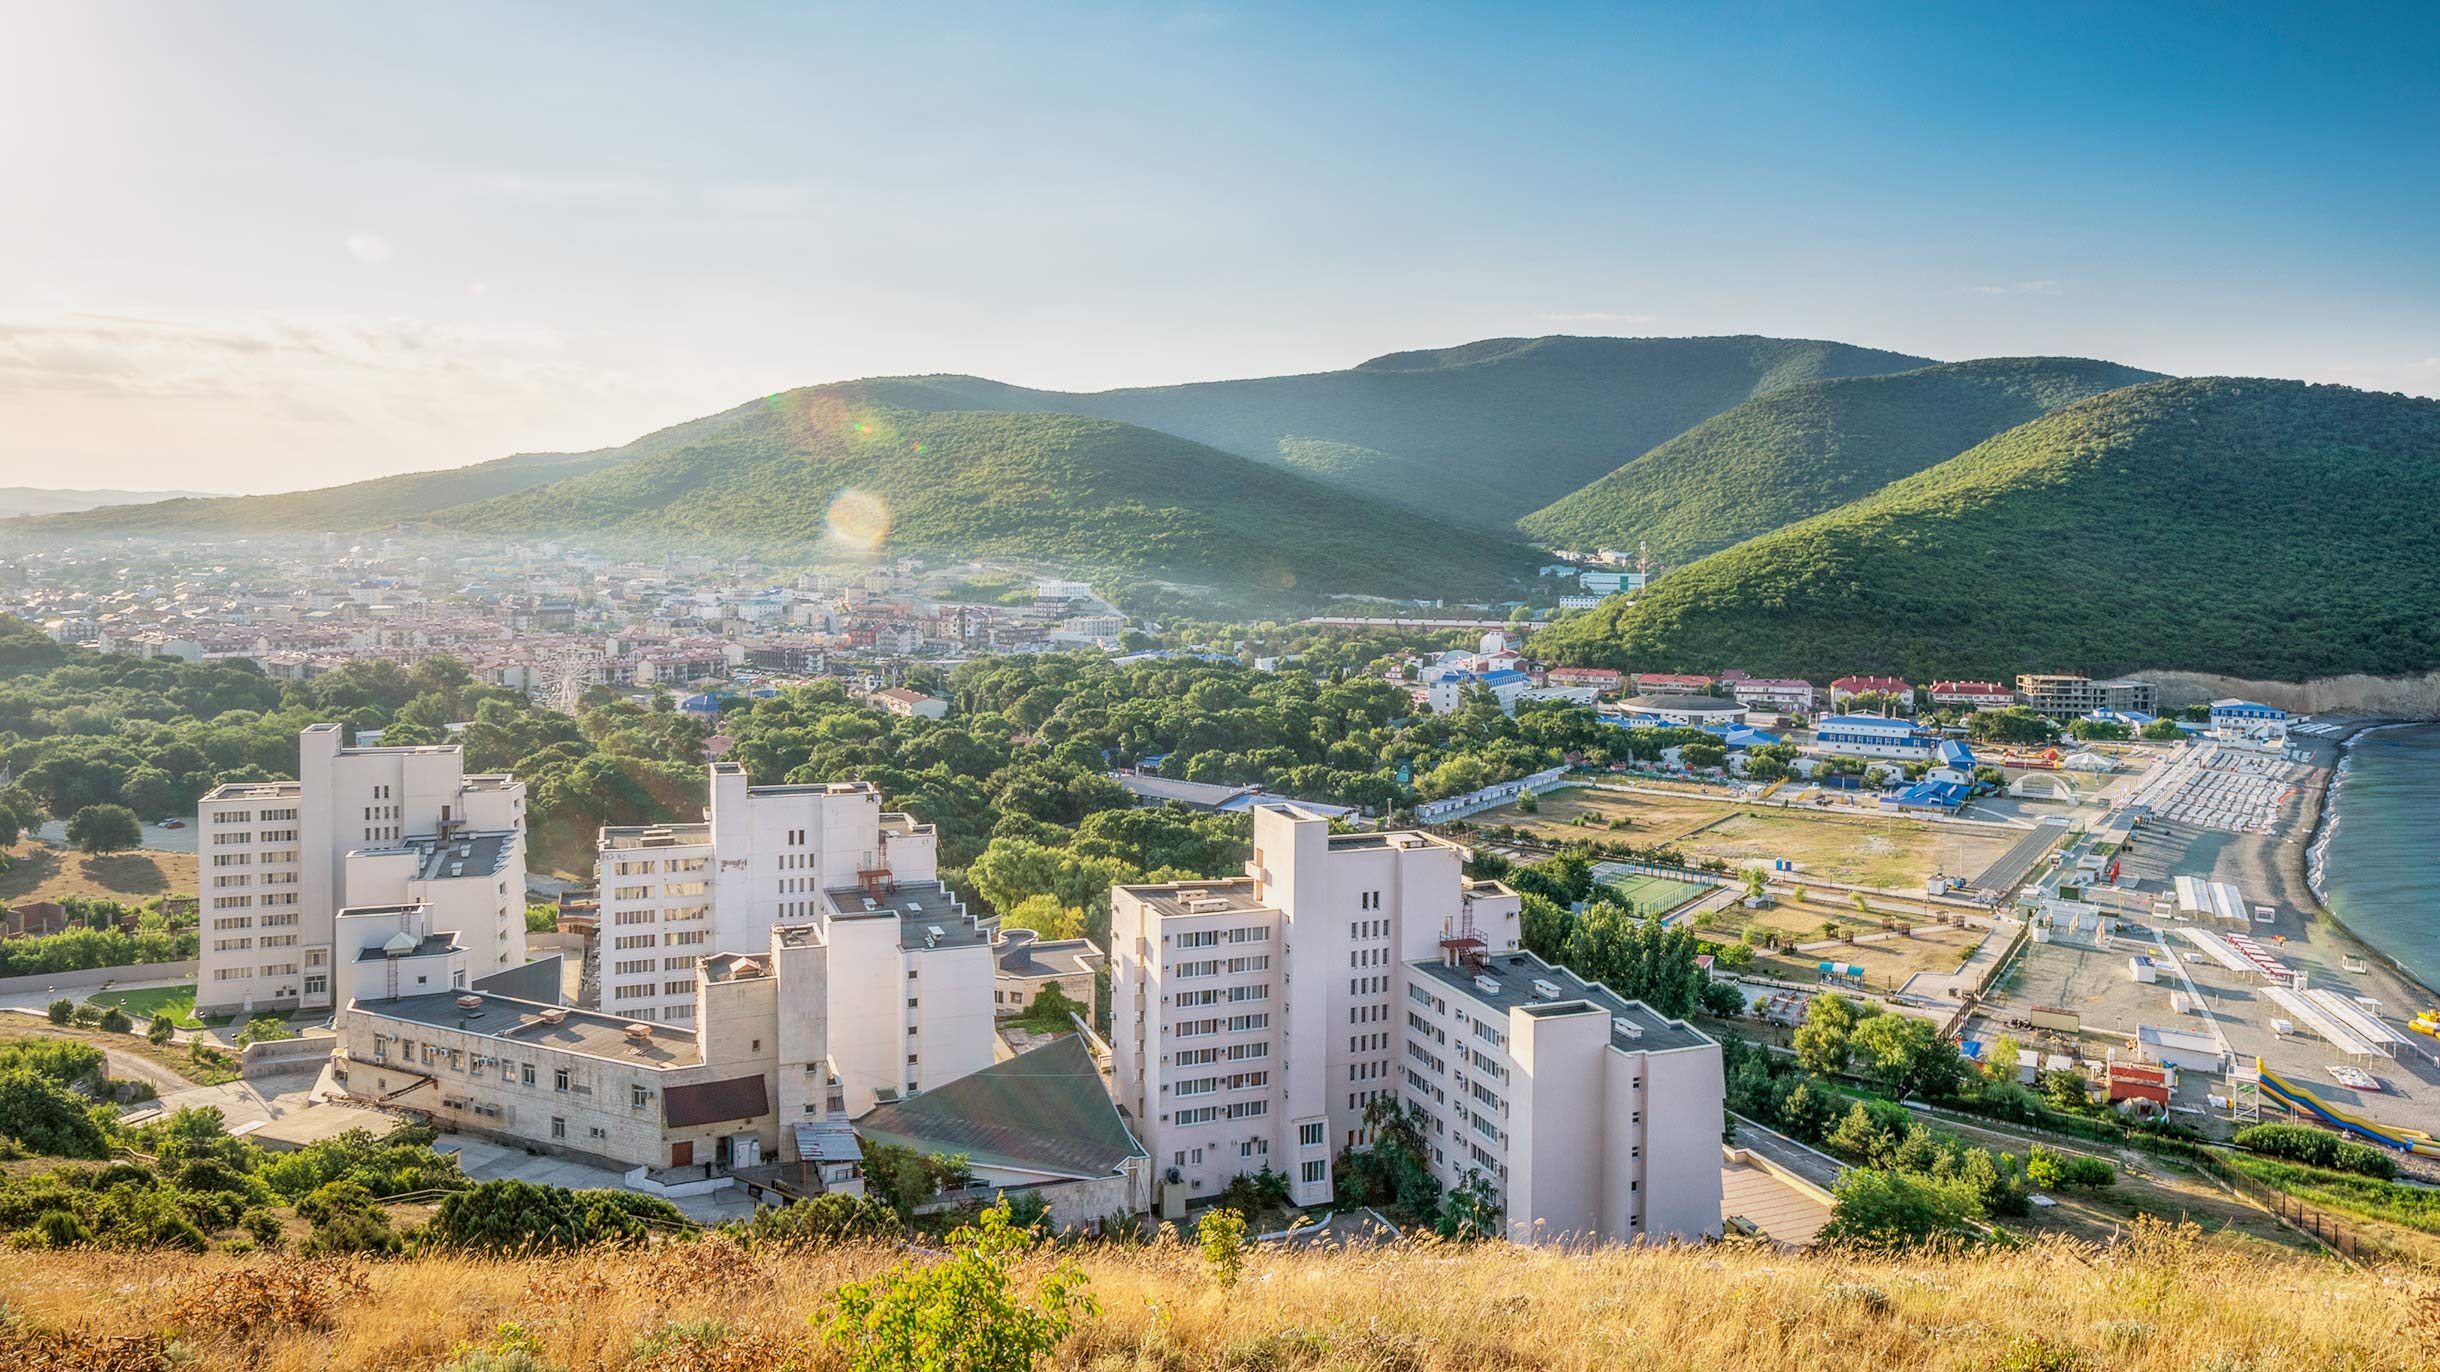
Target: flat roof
(465, 855)
(1025, 957)
(655, 835)
(1516, 974)
(256, 790)
(588, 1033)
(1169, 900)
(920, 909)
(816, 788)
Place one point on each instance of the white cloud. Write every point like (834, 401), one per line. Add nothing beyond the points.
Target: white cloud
(2018, 288)
(369, 248)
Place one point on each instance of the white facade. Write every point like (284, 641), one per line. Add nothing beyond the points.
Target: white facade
(1788, 696)
(832, 1017)
(763, 856)
(1871, 736)
(360, 826)
(1254, 1019)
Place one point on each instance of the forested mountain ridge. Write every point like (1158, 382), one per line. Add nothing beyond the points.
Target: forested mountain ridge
(1805, 449)
(2269, 529)
(825, 468)
(1479, 434)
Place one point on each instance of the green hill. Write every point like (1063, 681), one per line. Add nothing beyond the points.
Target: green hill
(377, 503)
(1478, 434)
(2267, 529)
(1804, 449)
(1087, 493)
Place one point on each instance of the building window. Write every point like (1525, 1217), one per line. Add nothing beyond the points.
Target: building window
(638, 1097)
(1309, 1136)
(559, 1127)
(1316, 1172)
(525, 1073)
(559, 1079)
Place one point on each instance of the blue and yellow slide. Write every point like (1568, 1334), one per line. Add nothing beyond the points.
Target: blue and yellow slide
(2304, 1102)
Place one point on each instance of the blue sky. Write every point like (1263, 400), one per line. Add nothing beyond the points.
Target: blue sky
(263, 246)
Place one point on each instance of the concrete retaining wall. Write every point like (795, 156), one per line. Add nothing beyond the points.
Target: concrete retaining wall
(286, 1055)
(96, 976)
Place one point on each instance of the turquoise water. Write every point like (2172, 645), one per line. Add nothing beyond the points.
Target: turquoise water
(2378, 867)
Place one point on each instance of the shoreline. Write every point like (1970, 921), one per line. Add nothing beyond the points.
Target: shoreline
(2309, 867)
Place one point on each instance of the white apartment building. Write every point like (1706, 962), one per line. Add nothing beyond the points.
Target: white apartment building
(763, 856)
(1254, 1019)
(878, 998)
(360, 826)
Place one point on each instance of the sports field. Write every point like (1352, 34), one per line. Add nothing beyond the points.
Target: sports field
(1652, 895)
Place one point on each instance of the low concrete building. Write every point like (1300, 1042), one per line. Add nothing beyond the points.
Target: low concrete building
(1027, 963)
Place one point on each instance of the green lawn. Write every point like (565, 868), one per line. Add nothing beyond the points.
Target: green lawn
(177, 1002)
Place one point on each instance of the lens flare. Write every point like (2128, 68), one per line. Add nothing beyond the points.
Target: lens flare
(859, 519)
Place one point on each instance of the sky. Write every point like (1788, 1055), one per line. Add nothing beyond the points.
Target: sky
(267, 246)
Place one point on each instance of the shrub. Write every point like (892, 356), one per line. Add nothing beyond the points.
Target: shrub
(510, 1349)
(269, 1029)
(815, 1220)
(61, 1010)
(1221, 1232)
(114, 1021)
(160, 1030)
(511, 1216)
(889, 1323)
(44, 1118)
(2316, 1148)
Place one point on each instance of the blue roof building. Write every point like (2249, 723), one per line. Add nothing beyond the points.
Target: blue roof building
(1872, 736)
(1943, 796)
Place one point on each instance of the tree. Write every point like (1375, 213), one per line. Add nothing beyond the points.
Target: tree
(1528, 804)
(1703, 756)
(61, 1010)
(2163, 730)
(1882, 1209)
(1757, 882)
(958, 1315)
(1735, 957)
(2015, 724)
(115, 1021)
(1822, 1040)
(1221, 1234)
(159, 1029)
(1721, 1000)
(104, 829)
(1471, 1210)
(1906, 1055)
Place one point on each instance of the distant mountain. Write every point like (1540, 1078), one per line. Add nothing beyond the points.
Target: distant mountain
(1804, 449)
(1479, 434)
(382, 501)
(2265, 529)
(45, 500)
(824, 468)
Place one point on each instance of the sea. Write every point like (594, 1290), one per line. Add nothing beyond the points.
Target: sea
(2376, 864)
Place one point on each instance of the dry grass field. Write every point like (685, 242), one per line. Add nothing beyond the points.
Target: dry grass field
(38, 871)
(2161, 1303)
(1893, 854)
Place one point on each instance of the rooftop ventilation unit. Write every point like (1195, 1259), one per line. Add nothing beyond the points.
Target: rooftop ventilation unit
(470, 1002)
(1626, 1027)
(638, 1033)
(1546, 989)
(1487, 985)
(871, 904)
(554, 1015)
(1206, 905)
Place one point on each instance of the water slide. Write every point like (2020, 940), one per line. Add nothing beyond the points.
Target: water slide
(2304, 1102)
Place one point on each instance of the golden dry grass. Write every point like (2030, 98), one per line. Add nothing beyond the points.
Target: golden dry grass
(2137, 1307)
(41, 872)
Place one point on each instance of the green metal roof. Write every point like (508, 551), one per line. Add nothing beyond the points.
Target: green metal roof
(1040, 1111)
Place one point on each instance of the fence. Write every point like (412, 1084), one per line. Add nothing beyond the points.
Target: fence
(2324, 1228)
(1454, 807)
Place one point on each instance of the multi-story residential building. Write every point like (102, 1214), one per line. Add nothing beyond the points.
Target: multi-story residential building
(1256, 1018)
(2247, 719)
(1847, 688)
(1872, 736)
(360, 826)
(2066, 697)
(1786, 695)
(763, 855)
(1670, 683)
(854, 1008)
(1972, 695)
(1028, 964)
